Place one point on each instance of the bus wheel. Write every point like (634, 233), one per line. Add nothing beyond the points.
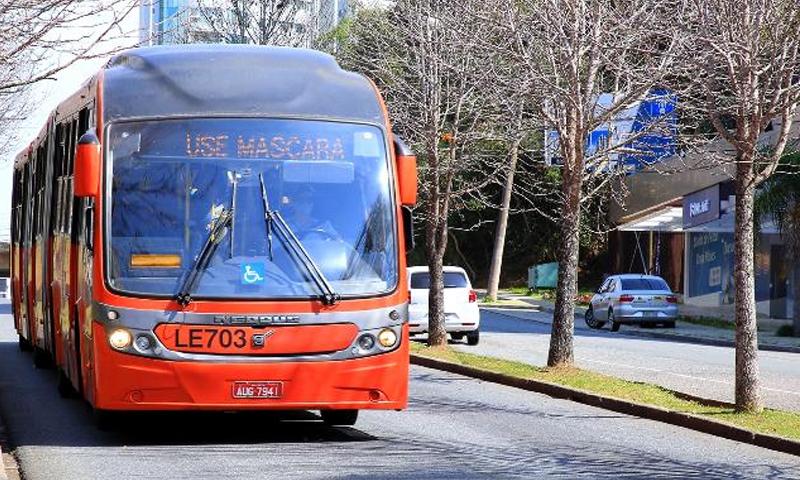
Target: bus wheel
(24, 345)
(41, 359)
(105, 420)
(341, 418)
(65, 388)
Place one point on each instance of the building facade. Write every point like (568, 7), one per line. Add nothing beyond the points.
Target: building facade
(274, 22)
(681, 226)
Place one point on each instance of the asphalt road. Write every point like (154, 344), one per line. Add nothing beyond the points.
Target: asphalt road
(455, 428)
(707, 371)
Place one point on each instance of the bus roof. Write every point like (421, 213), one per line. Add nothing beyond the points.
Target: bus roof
(235, 80)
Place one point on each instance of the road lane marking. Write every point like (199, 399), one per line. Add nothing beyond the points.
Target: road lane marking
(723, 382)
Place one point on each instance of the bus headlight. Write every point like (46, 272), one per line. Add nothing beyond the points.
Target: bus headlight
(387, 338)
(120, 339)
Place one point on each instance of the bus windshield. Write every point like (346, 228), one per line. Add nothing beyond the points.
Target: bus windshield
(172, 182)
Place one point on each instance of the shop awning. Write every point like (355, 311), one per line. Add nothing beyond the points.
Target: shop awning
(667, 219)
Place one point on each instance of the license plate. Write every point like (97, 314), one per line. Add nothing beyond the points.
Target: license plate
(257, 389)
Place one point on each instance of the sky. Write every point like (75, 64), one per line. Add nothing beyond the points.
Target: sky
(47, 95)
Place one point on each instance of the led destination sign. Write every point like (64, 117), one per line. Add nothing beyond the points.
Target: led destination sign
(289, 147)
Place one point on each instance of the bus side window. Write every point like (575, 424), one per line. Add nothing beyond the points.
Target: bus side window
(61, 187)
(55, 182)
(72, 210)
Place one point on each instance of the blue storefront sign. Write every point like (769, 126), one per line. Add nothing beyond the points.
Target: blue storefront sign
(711, 264)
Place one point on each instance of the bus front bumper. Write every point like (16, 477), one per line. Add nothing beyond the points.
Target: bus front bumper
(129, 382)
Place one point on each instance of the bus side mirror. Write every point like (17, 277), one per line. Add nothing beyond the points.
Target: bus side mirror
(87, 166)
(406, 172)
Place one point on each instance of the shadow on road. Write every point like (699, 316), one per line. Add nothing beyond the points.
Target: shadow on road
(35, 414)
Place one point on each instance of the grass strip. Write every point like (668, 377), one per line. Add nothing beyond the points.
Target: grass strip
(773, 422)
(550, 295)
(708, 322)
(504, 303)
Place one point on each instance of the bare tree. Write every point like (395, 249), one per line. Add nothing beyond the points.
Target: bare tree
(438, 84)
(496, 265)
(288, 23)
(38, 39)
(573, 52)
(746, 65)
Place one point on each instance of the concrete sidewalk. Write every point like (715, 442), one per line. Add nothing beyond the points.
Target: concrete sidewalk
(683, 331)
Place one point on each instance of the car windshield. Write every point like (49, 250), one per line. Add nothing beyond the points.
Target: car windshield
(173, 180)
(644, 284)
(422, 280)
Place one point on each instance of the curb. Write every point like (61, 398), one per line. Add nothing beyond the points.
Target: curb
(4, 466)
(663, 336)
(658, 414)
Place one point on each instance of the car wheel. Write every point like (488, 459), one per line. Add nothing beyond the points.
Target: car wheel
(341, 418)
(473, 338)
(591, 320)
(614, 324)
(669, 324)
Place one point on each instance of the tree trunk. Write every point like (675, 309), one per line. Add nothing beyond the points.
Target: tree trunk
(434, 251)
(748, 391)
(502, 224)
(561, 344)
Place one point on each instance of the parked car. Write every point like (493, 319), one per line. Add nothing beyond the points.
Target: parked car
(462, 317)
(4, 288)
(631, 299)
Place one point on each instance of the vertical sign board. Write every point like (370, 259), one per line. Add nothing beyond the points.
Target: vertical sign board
(711, 264)
(710, 253)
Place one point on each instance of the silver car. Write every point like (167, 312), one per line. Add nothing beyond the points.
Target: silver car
(642, 299)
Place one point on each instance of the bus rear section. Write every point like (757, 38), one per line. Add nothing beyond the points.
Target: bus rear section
(244, 250)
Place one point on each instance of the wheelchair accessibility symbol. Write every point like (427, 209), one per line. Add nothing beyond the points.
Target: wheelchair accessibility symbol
(252, 273)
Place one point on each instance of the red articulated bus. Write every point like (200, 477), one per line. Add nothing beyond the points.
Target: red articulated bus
(217, 228)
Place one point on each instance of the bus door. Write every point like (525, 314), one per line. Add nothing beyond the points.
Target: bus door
(27, 250)
(81, 272)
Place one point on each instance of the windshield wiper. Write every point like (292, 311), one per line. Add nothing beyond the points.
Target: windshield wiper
(298, 252)
(219, 228)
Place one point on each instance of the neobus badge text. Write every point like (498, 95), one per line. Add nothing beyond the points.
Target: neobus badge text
(255, 319)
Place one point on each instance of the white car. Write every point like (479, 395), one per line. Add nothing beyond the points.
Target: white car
(462, 317)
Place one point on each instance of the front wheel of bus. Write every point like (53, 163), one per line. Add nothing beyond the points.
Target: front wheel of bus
(339, 418)
(104, 420)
